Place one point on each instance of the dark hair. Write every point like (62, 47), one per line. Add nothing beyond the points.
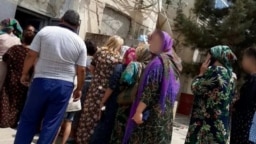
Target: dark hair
(91, 48)
(251, 52)
(27, 39)
(71, 17)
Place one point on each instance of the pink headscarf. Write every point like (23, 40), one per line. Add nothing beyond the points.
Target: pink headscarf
(129, 56)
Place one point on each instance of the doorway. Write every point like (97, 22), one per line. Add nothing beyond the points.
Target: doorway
(27, 17)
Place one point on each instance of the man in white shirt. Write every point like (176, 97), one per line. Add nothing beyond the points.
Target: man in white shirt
(61, 55)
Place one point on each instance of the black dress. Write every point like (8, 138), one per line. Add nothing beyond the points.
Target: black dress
(244, 110)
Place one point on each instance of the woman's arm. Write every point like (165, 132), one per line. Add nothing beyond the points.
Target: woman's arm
(150, 95)
(209, 80)
(113, 83)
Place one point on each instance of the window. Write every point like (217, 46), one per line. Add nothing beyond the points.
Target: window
(220, 4)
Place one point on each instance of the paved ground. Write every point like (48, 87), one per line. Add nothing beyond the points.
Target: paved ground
(179, 133)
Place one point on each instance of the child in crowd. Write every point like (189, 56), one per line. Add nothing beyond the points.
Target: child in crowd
(66, 126)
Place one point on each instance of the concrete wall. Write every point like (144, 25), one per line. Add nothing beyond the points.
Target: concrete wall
(51, 8)
(115, 23)
(92, 13)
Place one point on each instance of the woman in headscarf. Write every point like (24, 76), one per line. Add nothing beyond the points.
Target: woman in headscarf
(244, 108)
(213, 89)
(13, 94)
(129, 77)
(151, 115)
(109, 101)
(10, 35)
(102, 67)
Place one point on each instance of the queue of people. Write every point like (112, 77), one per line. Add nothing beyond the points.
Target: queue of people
(129, 93)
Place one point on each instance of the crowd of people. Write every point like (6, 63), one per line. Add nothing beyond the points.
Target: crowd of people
(55, 84)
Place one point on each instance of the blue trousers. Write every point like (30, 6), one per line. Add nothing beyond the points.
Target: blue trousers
(46, 103)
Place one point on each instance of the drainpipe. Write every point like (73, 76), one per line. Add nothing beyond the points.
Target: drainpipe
(160, 4)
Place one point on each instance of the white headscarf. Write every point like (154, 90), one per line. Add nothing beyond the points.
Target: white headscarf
(123, 50)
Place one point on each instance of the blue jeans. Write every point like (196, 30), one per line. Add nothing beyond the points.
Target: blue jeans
(47, 102)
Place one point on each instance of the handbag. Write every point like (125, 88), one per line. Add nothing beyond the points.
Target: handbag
(128, 94)
(74, 106)
(252, 135)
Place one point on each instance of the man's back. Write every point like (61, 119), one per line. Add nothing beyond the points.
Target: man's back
(60, 50)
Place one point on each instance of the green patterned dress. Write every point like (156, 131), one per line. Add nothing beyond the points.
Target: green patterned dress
(210, 123)
(158, 128)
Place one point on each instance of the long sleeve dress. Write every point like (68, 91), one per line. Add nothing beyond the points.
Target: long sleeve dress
(13, 94)
(244, 110)
(157, 129)
(210, 121)
(107, 121)
(104, 62)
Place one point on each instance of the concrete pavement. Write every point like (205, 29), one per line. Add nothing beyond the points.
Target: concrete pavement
(179, 132)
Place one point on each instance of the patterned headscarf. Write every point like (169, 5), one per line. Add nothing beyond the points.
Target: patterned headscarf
(11, 24)
(224, 55)
(129, 56)
(143, 54)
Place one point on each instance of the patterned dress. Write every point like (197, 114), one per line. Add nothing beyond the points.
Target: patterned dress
(104, 63)
(157, 129)
(210, 121)
(13, 94)
(107, 121)
(244, 110)
(128, 77)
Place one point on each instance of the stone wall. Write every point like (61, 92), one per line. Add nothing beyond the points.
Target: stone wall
(92, 15)
(115, 23)
(97, 39)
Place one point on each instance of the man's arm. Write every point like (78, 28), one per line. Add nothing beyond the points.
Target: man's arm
(80, 83)
(80, 71)
(80, 77)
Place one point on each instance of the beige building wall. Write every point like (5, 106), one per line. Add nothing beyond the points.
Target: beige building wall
(92, 15)
(92, 11)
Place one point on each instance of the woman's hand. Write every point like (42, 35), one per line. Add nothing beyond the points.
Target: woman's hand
(138, 118)
(25, 80)
(205, 66)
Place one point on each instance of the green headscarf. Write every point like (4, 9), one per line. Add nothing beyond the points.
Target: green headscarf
(11, 24)
(224, 55)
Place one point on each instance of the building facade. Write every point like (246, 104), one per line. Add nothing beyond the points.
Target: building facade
(127, 18)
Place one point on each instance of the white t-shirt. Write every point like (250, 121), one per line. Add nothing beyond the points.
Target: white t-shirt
(89, 60)
(60, 50)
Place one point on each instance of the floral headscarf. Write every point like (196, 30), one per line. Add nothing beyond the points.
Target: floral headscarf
(143, 54)
(11, 24)
(224, 55)
(129, 56)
